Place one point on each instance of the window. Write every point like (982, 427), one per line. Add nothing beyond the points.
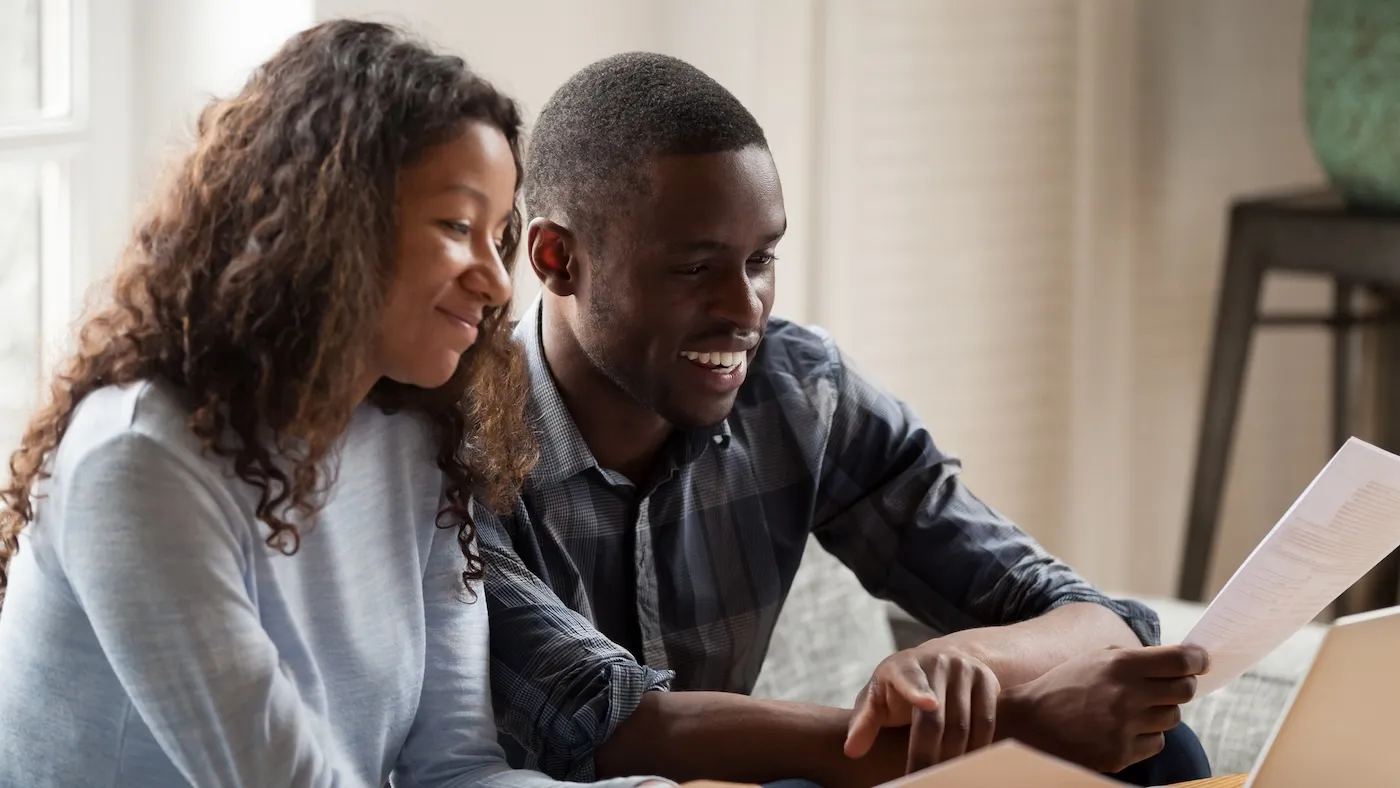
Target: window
(43, 134)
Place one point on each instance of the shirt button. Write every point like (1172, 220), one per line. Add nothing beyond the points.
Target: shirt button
(719, 439)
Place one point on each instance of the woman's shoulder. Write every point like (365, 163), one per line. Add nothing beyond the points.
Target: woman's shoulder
(148, 414)
(123, 432)
(127, 457)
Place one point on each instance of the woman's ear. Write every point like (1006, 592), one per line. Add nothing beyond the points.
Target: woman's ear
(553, 251)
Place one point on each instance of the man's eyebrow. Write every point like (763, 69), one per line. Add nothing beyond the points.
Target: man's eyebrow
(700, 245)
(710, 245)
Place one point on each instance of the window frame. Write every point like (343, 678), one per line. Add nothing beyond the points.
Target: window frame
(81, 141)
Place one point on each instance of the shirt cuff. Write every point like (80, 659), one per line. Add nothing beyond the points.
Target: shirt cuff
(627, 683)
(1139, 617)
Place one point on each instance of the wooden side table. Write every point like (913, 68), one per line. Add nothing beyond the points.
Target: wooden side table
(1317, 234)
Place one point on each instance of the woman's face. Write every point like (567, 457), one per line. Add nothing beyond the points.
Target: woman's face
(454, 204)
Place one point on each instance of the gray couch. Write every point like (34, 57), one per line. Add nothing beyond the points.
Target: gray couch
(832, 634)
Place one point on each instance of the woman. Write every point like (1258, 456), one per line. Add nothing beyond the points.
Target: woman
(237, 542)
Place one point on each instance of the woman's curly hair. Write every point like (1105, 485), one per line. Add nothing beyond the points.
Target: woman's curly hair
(255, 281)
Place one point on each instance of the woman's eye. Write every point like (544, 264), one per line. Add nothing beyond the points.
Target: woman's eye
(460, 228)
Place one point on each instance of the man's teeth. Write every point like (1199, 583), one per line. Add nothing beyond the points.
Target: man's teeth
(718, 360)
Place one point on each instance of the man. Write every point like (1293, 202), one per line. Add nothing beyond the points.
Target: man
(689, 446)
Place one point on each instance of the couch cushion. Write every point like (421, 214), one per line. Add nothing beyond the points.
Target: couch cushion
(829, 637)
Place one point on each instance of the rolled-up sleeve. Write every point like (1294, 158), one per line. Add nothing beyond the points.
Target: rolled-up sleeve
(560, 687)
(894, 509)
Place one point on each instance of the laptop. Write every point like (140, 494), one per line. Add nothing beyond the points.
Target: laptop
(1342, 726)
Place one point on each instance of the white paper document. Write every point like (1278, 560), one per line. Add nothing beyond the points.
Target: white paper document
(1343, 524)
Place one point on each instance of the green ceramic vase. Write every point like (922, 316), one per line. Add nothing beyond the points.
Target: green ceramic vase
(1352, 97)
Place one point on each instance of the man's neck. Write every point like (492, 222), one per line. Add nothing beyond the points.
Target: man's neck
(622, 435)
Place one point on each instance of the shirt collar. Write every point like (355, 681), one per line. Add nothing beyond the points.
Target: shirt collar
(563, 452)
(701, 438)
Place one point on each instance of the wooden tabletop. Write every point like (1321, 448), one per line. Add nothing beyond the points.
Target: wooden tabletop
(1228, 781)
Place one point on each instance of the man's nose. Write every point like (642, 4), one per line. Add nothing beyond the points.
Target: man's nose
(736, 301)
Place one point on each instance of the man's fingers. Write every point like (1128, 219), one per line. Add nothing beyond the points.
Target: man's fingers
(957, 711)
(1169, 692)
(926, 732)
(910, 682)
(1158, 719)
(1165, 662)
(866, 722)
(984, 711)
(925, 740)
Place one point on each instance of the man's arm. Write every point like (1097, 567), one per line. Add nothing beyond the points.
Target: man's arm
(894, 509)
(1027, 650)
(585, 710)
(724, 736)
(559, 687)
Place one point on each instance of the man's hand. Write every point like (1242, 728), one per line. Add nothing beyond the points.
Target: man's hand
(1107, 709)
(947, 696)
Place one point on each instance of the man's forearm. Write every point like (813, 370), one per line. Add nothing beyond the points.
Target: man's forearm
(1025, 651)
(724, 736)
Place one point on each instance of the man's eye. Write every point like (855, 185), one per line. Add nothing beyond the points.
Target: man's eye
(694, 270)
(767, 258)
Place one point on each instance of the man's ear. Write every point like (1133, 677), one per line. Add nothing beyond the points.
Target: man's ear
(554, 254)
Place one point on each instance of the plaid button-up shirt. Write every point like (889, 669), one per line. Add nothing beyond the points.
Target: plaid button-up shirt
(689, 573)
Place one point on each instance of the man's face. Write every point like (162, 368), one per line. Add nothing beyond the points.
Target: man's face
(675, 305)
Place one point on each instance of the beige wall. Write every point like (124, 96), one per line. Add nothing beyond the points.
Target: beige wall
(1024, 207)
(948, 224)
(1220, 116)
(187, 51)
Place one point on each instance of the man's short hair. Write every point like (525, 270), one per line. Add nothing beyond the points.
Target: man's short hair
(586, 154)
